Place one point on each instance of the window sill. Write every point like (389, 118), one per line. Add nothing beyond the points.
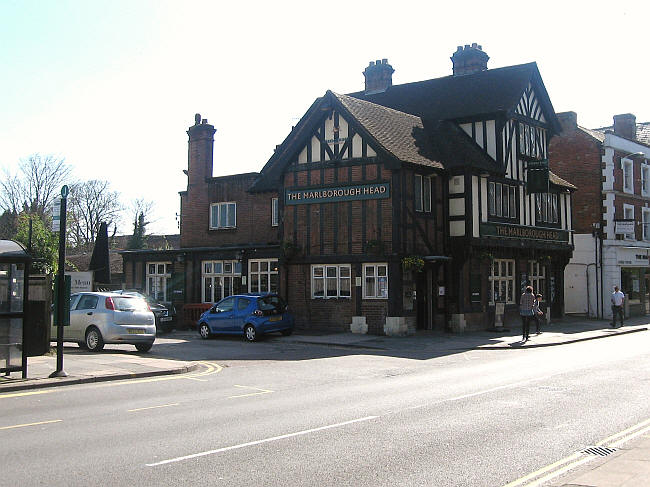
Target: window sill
(330, 298)
(222, 228)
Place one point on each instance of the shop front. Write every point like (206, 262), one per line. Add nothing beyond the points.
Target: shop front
(632, 275)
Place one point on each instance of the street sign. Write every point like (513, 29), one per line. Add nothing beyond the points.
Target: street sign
(65, 191)
(56, 214)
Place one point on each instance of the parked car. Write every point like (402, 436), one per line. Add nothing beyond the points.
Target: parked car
(165, 313)
(97, 318)
(251, 315)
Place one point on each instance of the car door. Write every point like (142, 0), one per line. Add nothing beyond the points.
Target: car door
(220, 317)
(241, 313)
(81, 316)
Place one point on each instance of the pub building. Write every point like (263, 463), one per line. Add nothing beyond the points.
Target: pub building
(400, 207)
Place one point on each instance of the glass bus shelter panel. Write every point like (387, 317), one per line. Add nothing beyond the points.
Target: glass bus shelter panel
(12, 285)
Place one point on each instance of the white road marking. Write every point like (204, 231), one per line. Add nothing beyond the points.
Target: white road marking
(261, 391)
(30, 424)
(153, 407)
(259, 442)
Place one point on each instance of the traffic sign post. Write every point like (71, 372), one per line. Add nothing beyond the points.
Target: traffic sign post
(60, 295)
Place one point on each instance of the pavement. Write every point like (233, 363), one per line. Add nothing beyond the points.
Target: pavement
(628, 466)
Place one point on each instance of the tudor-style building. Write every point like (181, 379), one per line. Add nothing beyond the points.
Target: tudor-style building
(391, 209)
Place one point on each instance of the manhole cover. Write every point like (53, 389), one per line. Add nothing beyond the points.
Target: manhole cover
(600, 451)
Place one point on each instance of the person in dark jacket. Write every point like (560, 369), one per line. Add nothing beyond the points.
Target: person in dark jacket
(538, 313)
(526, 303)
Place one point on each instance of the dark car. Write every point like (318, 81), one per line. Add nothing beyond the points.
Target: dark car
(165, 313)
(250, 315)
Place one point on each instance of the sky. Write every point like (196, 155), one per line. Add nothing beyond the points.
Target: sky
(113, 86)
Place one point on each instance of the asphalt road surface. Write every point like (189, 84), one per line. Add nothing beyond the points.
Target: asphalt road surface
(280, 414)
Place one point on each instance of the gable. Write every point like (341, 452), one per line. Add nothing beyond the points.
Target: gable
(529, 106)
(334, 139)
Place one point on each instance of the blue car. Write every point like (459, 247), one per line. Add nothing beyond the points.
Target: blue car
(251, 315)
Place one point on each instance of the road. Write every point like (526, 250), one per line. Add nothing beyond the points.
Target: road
(278, 414)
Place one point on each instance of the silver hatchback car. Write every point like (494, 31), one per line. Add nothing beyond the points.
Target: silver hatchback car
(97, 318)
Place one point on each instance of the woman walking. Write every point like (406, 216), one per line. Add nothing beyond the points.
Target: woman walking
(526, 303)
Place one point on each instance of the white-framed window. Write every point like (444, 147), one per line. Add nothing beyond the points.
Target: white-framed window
(330, 281)
(223, 215)
(546, 208)
(646, 223)
(375, 281)
(628, 214)
(220, 279)
(645, 179)
(423, 193)
(157, 275)
(628, 175)
(263, 276)
(502, 200)
(275, 212)
(502, 281)
(537, 277)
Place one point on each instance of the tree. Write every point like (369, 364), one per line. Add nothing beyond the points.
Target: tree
(138, 239)
(45, 244)
(89, 204)
(38, 182)
(8, 225)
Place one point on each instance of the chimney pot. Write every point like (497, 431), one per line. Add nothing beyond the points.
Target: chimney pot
(197, 119)
(204, 121)
(379, 76)
(469, 60)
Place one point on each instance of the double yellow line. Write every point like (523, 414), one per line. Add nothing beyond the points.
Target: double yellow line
(576, 459)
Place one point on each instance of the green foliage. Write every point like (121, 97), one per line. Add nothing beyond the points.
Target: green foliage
(45, 243)
(8, 225)
(413, 263)
(138, 239)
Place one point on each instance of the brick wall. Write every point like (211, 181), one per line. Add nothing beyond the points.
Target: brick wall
(575, 156)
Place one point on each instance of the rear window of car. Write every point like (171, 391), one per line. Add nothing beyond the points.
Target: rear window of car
(124, 303)
(270, 303)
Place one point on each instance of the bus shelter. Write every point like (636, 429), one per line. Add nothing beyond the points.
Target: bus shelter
(14, 278)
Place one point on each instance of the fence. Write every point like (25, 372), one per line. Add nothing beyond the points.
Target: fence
(191, 313)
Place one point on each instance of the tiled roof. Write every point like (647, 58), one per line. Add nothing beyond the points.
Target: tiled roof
(600, 136)
(454, 97)
(399, 133)
(642, 132)
(558, 181)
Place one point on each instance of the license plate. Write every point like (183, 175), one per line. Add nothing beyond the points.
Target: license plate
(136, 331)
(166, 318)
(275, 318)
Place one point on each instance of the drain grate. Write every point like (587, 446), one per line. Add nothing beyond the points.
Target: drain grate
(600, 451)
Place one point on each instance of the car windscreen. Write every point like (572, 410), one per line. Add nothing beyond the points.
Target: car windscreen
(271, 303)
(127, 303)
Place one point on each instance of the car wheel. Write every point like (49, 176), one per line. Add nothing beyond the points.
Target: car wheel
(250, 333)
(143, 347)
(287, 332)
(204, 331)
(94, 340)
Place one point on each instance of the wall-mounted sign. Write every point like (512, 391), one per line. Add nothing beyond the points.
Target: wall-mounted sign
(336, 141)
(624, 226)
(80, 281)
(337, 193)
(521, 231)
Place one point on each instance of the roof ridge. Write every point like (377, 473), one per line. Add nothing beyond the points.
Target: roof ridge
(352, 99)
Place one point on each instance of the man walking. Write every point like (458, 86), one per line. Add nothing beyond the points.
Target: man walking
(618, 298)
(526, 312)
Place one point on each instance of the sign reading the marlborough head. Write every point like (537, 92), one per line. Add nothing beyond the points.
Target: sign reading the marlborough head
(337, 193)
(520, 231)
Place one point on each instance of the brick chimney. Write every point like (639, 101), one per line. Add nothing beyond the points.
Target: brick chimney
(568, 120)
(199, 155)
(469, 60)
(625, 125)
(379, 76)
